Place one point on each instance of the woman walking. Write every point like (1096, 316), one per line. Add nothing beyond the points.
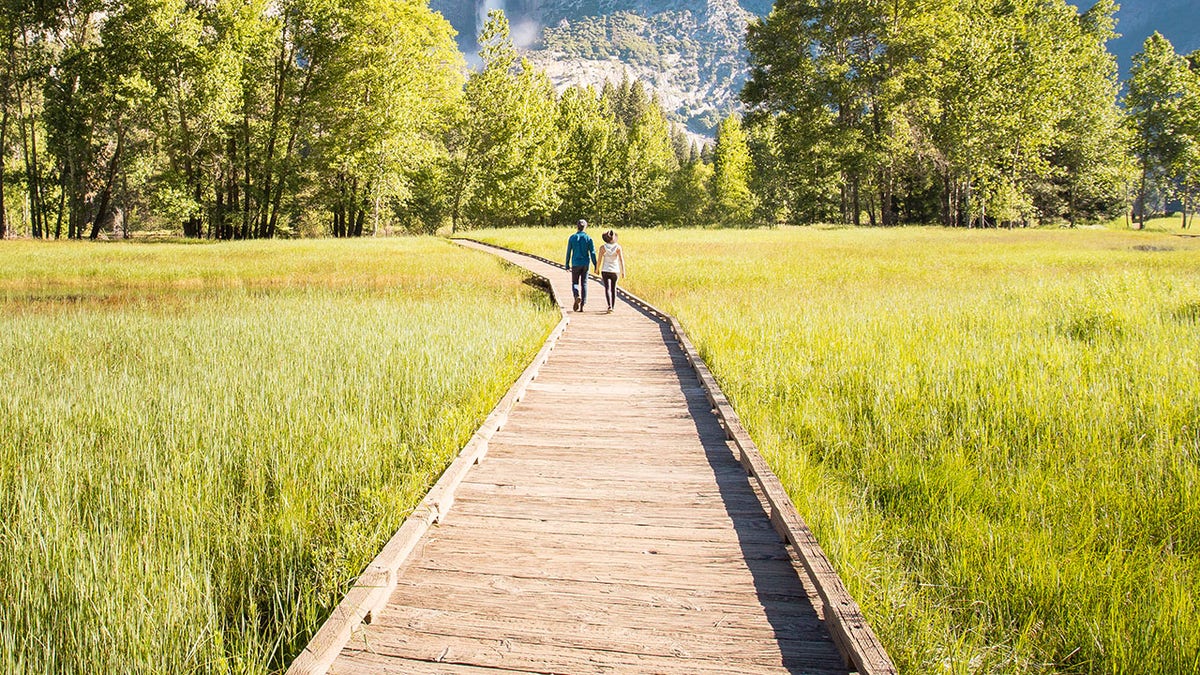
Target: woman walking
(612, 263)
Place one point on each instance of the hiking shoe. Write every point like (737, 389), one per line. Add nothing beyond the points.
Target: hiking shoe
(578, 305)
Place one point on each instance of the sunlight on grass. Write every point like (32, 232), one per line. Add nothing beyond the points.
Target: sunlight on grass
(201, 446)
(993, 434)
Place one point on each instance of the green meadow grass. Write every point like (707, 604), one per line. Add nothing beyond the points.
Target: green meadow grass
(201, 446)
(994, 434)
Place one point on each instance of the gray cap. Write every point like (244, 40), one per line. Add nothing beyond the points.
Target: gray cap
(581, 224)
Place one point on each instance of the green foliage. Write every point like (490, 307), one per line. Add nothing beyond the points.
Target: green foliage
(590, 136)
(508, 160)
(1091, 165)
(232, 118)
(239, 119)
(690, 195)
(384, 96)
(732, 200)
(645, 156)
(1009, 106)
(1164, 113)
(625, 35)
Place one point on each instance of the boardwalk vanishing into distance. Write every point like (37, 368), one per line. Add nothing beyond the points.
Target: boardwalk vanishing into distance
(611, 516)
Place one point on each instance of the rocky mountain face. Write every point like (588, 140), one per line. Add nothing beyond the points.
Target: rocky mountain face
(692, 53)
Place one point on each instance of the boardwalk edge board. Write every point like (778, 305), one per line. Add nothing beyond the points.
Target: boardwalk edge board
(849, 629)
(371, 590)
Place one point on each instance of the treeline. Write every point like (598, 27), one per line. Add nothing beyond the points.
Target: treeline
(235, 119)
(218, 118)
(968, 113)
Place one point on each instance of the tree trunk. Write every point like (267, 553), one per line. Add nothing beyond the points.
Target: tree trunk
(855, 203)
(4, 104)
(106, 192)
(125, 210)
(27, 148)
(283, 66)
(887, 210)
(947, 221)
(1141, 201)
(62, 201)
(3, 155)
(247, 174)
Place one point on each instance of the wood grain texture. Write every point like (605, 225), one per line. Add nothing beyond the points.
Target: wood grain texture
(611, 528)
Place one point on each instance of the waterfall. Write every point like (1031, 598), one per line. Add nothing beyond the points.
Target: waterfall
(481, 13)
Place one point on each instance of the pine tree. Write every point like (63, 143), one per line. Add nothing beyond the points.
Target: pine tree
(588, 133)
(733, 203)
(508, 162)
(646, 160)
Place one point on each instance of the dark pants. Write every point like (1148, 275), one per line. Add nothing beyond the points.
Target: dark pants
(579, 280)
(610, 287)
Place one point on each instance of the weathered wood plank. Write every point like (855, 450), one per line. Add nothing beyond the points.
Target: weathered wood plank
(365, 663)
(590, 631)
(546, 565)
(578, 466)
(783, 602)
(553, 531)
(735, 615)
(580, 511)
(354, 662)
(761, 546)
(509, 652)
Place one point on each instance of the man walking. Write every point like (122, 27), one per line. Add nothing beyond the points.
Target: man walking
(579, 250)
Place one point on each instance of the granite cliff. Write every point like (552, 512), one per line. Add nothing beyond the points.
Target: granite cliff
(692, 52)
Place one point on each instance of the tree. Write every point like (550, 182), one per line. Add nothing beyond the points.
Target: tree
(186, 77)
(645, 156)
(88, 100)
(732, 200)
(1187, 166)
(1089, 162)
(588, 133)
(689, 194)
(1157, 104)
(391, 77)
(507, 156)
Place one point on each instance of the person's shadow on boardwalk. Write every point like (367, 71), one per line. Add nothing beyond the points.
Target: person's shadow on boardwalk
(804, 643)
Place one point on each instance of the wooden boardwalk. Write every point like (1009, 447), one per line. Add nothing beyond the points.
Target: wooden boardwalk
(611, 529)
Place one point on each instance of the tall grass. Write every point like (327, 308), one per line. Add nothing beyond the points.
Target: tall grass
(995, 435)
(201, 446)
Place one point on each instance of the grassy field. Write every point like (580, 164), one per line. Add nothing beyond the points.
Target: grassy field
(994, 434)
(202, 445)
